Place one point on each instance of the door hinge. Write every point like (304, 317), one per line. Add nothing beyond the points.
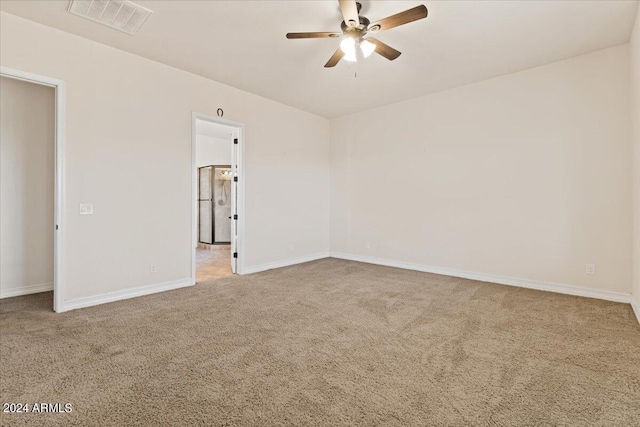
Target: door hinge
(235, 141)
(235, 216)
(235, 254)
(235, 179)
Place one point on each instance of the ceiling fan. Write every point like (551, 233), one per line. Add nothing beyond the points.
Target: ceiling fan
(356, 27)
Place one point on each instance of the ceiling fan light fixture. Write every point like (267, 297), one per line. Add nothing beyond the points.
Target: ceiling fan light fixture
(355, 27)
(348, 46)
(351, 57)
(367, 48)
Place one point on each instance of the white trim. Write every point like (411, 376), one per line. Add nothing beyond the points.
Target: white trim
(636, 307)
(26, 290)
(285, 263)
(125, 294)
(192, 199)
(522, 283)
(59, 209)
(240, 188)
(29, 77)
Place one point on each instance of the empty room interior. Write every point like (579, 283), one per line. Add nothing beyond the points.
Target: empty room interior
(320, 213)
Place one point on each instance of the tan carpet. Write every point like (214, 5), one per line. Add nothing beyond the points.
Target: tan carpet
(326, 343)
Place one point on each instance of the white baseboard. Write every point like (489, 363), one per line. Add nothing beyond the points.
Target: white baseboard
(25, 290)
(125, 294)
(523, 283)
(635, 305)
(285, 263)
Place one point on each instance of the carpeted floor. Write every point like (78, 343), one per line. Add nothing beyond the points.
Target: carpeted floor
(329, 342)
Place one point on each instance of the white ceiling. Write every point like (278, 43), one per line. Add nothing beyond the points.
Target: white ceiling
(243, 44)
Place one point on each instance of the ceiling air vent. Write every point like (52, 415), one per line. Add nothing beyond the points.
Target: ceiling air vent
(122, 15)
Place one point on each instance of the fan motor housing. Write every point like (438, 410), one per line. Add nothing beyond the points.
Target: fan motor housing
(364, 23)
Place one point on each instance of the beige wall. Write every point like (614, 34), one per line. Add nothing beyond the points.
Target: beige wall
(128, 151)
(27, 146)
(524, 176)
(634, 47)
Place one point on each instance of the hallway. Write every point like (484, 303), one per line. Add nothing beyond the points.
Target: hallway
(213, 263)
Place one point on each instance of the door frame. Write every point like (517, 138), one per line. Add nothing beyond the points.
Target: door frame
(240, 223)
(213, 205)
(59, 229)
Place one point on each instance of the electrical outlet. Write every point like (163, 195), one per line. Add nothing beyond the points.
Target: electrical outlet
(86, 209)
(153, 268)
(367, 245)
(291, 248)
(591, 269)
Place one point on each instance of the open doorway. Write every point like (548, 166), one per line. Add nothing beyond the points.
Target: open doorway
(31, 159)
(216, 169)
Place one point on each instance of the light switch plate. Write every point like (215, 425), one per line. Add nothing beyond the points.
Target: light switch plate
(86, 209)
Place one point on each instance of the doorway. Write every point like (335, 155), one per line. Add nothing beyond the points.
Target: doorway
(216, 168)
(32, 135)
(214, 201)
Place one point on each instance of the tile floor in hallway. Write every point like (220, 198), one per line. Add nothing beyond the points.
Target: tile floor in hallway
(213, 263)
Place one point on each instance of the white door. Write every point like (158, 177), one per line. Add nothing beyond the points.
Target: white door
(234, 200)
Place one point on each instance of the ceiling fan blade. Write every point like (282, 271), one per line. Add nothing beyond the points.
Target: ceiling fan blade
(413, 14)
(320, 35)
(349, 11)
(333, 61)
(384, 49)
